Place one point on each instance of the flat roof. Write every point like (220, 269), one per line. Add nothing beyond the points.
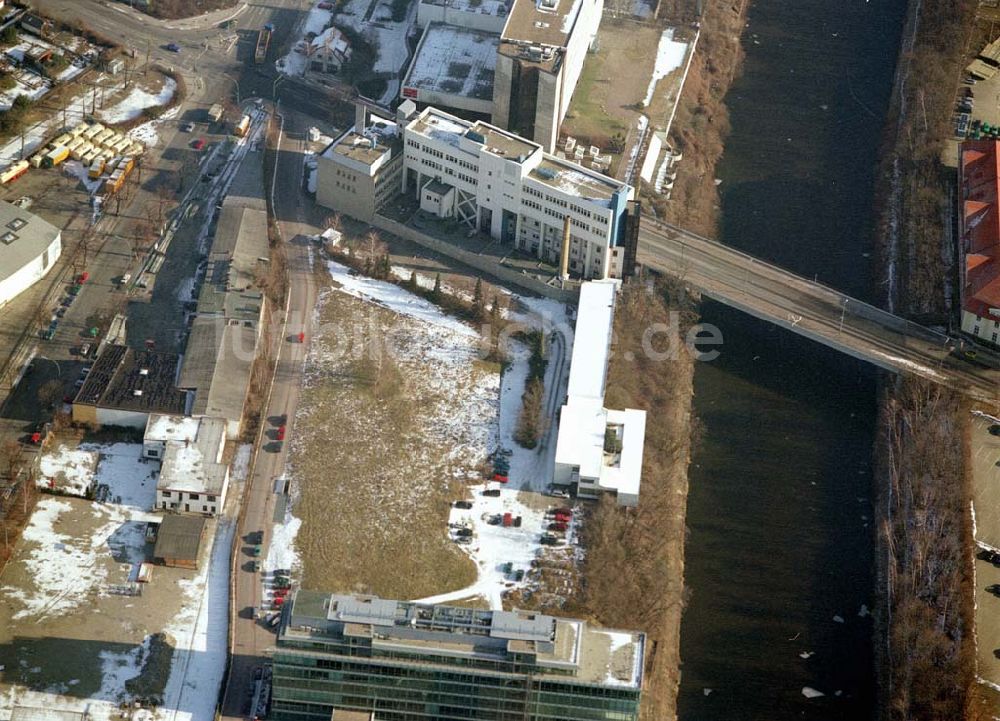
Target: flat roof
(574, 179)
(496, 8)
(439, 125)
(23, 237)
(503, 142)
(592, 339)
(455, 61)
(217, 365)
(195, 467)
(540, 22)
(162, 427)
(136, 380)
(179, 537)
(596, 656)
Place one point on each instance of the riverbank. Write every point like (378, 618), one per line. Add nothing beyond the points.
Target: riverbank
(635, 560)
(924, 614)
(702, 121)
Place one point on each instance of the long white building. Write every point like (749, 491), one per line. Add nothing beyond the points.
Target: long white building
(598, 450)
(510, 188)
(29, 247)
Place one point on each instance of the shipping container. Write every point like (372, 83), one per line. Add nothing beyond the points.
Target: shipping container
(122, 145)
(14, 172)
(96, 168)
(81, 150)
(126, 164)
(242, 126)
(36, 160)
(135, 149)
(102, 136)
(91, 132)
(75, 142)
(55, 157)
(78, 128)
(62, 139)
(90, 157)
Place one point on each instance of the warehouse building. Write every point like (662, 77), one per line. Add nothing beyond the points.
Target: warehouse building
(125, 386)
(598, 450)
(29, 247)
(193, 477)
(404, 660)
(484, 15)
(225, 331)
(453, 68)
(541, 55)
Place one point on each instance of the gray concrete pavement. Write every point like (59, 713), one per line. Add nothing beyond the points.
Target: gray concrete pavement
(814, 310)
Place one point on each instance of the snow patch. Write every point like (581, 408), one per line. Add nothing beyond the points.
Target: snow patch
(137, 101)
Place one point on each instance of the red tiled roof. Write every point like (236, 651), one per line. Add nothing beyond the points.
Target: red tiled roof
(979, 188)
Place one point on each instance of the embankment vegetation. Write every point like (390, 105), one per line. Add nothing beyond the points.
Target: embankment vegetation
(701, 124)
(925, 568)
(634, 569)
(914, 191)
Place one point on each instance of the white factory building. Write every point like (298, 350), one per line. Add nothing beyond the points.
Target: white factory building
(511, 189)
(193, 477)
(29, 247)
(598, 450)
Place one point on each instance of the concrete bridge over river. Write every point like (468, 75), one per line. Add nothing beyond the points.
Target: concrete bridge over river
(816, 311)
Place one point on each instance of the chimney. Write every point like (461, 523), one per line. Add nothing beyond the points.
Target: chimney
(564, 260)
(360, 118)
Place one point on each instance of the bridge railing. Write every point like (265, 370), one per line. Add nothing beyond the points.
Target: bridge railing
(850, 304)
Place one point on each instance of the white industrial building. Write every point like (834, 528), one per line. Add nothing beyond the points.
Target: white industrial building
(598, 450)
(510, 188)
(29, 247)
(193, 477)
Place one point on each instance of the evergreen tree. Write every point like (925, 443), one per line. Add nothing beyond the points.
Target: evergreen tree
(478, 302)
(436, 293)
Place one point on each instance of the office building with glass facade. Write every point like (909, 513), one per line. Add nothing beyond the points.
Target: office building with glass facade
(407, 661)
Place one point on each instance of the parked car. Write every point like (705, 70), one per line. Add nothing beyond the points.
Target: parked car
(173, 47)
(558, 526)
(281, 433)
(519, 575)
(85, 350)
(495, 520)
(464, 533)
(462, 504)
(508, 519)
(187, 127)
(995, 429)
(993, 588)
(492, 492)
(198, 144)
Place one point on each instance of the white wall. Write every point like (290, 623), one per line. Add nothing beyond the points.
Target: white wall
(30, 273)
(128, 419)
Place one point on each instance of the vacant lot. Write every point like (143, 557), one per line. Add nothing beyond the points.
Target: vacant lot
(613, 83)
(389, 435)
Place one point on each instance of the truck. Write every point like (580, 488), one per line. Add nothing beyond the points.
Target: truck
(14, 172)
(215, 113)
(55, 156)
(263, 41)
(242, 126)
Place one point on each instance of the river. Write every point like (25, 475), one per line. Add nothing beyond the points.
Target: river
(779, 557)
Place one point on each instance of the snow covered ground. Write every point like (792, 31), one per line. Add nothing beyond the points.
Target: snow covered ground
(200, 634)
(387, 36)
(148, 133)
(26, 83)
(66, 568)
(669, 56)
(136, 101)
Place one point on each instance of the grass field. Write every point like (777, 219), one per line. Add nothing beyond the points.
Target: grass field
(394, 439)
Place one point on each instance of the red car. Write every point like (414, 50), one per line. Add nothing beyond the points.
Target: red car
(84, 277)
(508, 519)
(198, 144)
(500, 478)
(564, 511)
(281, 433)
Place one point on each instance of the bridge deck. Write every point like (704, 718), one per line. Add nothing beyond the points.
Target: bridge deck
(812, 309)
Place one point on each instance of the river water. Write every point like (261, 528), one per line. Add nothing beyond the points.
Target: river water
(779, 557)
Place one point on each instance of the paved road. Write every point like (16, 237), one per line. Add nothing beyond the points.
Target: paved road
(250, 639)
(813, 310)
